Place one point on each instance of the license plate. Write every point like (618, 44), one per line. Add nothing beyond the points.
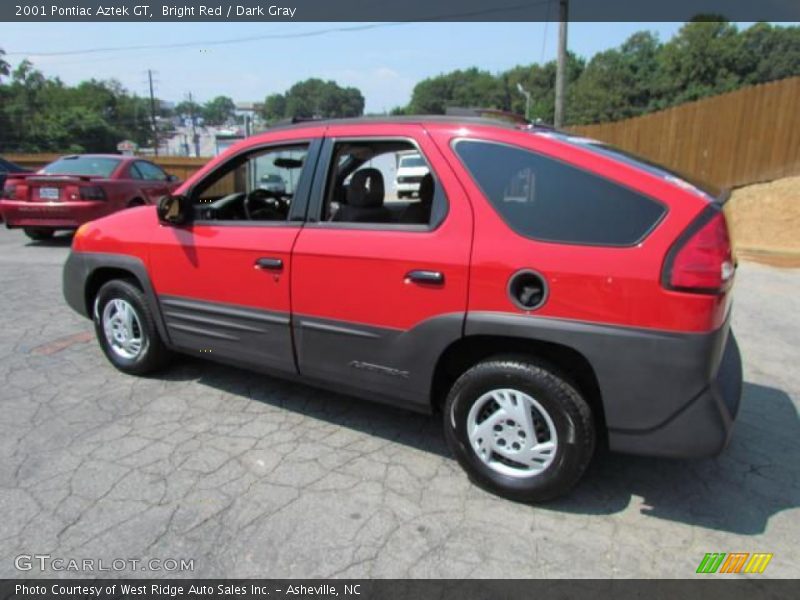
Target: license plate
(48, 193)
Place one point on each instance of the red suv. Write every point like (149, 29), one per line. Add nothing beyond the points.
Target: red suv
(75, 189)
(545, 293)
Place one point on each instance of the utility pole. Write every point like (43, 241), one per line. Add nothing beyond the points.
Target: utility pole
(195, 137)
(153, 111)
(561, 63)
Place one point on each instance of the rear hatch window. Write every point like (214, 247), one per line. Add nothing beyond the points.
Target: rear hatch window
(92, 166)
(549, 200)
(631, 159)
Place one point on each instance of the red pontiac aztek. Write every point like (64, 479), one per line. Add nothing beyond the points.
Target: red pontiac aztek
(76, 189)
(544, 293)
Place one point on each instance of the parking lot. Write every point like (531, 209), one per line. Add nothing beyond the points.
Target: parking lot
(253, 477)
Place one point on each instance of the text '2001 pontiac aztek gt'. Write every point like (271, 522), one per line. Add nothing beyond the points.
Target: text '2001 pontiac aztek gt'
(543, 293)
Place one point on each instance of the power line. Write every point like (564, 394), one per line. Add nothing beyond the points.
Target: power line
(273, 36)
(544, 36)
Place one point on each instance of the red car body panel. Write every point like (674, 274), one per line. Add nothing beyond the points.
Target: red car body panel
(330, 263)
(28, 209)
(588, 283)
(341, 309)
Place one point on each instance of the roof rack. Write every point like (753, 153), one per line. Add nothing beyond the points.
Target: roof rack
(476, 116)
(490, 113)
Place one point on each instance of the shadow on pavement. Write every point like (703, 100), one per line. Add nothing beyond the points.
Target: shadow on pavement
(60, 240)
(756, 477)
(402, 426)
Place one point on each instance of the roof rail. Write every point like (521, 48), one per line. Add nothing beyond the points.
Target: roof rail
(295, 121)
(486, 113)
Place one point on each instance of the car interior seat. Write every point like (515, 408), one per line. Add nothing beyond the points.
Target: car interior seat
(365, 196)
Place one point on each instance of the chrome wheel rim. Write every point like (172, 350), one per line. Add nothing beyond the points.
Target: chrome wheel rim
(511, 433)
(123, 330)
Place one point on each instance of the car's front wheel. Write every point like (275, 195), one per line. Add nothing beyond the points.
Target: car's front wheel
(519, 429)
(126, 329)
(39, 235)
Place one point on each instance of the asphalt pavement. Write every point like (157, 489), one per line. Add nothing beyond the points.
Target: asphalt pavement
(248, 476)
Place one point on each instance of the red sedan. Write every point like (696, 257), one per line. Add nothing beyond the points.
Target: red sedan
(79, 188)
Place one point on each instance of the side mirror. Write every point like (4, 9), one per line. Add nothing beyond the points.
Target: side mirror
(174, 210)
(173, 178)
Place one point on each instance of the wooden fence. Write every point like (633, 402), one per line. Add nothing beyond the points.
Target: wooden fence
(743, 137)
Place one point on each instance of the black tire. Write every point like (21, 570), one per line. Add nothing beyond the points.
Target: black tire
(568, 412)
(39, 235)
(401, 195)
(153, 355)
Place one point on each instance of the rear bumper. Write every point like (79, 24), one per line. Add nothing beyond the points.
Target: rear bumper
(663, 393)
(408, 187)
(51, 215)
(703, 427)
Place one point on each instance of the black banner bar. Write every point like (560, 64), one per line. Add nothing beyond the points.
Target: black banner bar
(706, 587)
(402, 11)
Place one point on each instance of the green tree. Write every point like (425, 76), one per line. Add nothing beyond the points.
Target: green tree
(463, 88)
(4, 66)
(702, 59)
(617, 83)
(315, 98)
(274, 107)
(219, 110)
(186, 109)
(40, 114)
(769, 52)
(539, 81)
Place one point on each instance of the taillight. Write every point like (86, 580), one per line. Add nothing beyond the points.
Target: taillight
(701, 260)
(92, 192)
(10, 192)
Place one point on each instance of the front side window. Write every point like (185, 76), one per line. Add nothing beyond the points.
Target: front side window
(549, 200)
(259, 186)
(369, 182)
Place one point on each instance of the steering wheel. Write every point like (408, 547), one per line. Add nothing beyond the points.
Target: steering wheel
(224, 207)
(263, 205)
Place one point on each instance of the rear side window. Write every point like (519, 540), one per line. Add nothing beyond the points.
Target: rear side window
(546, 199)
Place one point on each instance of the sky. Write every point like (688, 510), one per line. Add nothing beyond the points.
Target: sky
(384, 62)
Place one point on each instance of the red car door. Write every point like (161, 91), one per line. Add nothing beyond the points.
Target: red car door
(223, 280)
(374, 302)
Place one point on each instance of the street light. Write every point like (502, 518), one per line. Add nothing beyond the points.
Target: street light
(527, 95)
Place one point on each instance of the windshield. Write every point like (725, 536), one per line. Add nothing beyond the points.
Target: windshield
(412, 161)
(272, 179)
(101, 166)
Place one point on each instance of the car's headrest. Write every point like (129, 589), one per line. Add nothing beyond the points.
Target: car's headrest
(426, 190)
(366, 188)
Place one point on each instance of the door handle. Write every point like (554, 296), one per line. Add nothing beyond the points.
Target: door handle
(273, 264)
(429, 277)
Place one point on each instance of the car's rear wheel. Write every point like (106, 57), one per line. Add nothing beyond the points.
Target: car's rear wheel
(39, 235)
(126, 329)
(519, 429)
